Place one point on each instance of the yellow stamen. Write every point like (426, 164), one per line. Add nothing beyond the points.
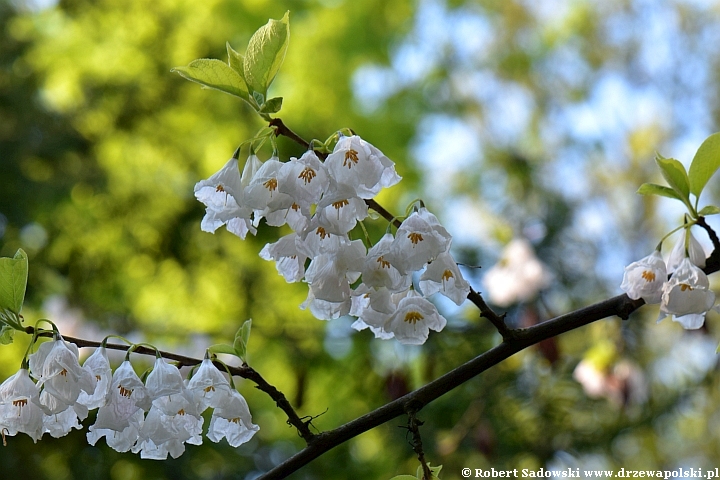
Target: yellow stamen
(685, 286)
(351, 155)
(235, 420)
(447, 275)
(181, 411)
(413, 317)
(338, 205)
(98, 377)
(295, 207)
(383, 263)
(271, 184)
(124, 391)
(219, 188)
(321, 231)
(648, 276)
(64, 372)
(209, 389)
(415, 237)
(20, 403)
(308, 174)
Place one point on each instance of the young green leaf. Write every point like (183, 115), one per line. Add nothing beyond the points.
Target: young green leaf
(241, 339)
(265, 53)
(216, 74)
(271, 106)
(13, 281)
(6, 335)
(222, 348)
(704, 164)
(235, 60)
(709, 210)
(404, 477)
(653, 189)
(675, 174)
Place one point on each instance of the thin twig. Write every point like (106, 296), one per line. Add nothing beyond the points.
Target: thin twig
(414, 427)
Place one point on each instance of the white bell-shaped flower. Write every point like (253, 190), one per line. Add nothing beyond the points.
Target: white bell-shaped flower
(418, 241)
(173, 418)
(127, 396)
(518, 276)
(58, 370)
(645, 278)
(374, 308)
(304, 179)
(222, 194)
(99, 367)
(20, 407)
(208, 386)
(414, 318)
(695, 252)
(324, 309)
(340, 209)
(231, 419)
(379, 272)
(289, 261)
(356, 163)
(443, 275)
(687, 296)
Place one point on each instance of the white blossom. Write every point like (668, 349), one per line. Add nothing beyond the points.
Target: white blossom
(20, 407)
(231, 419)
(414, 318)
(418, 241)
(354, 164)
(443, 275)
(99, 367)
(695, 251)
(687, 296)
(645, 278)
(377, 270)
(517, 277)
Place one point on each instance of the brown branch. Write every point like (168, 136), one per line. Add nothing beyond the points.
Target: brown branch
(518, 340)
(245, 371)
(414, 427)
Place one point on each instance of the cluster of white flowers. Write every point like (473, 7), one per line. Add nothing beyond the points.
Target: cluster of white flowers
(155, 418)
(686, 295)
(322, 202)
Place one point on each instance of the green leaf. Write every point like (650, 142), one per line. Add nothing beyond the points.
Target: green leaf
(709, 210)
(222, 348)
(704, 164)
(434, 471)
(216, 74)
(653, 189)
(13, 281)
(6, 335)
(265, 53)
(235, 60)
(404, 477)
(241, 339)
(271, 106)
(675, 174)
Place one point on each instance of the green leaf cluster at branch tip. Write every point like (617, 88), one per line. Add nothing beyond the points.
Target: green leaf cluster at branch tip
(13, 282)
(249, 76)
(239, 346)
(682, 183)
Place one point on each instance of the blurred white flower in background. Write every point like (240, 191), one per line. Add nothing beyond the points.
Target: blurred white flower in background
(517, 277)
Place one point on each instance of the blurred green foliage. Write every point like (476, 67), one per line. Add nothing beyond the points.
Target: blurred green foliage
(487, 108)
